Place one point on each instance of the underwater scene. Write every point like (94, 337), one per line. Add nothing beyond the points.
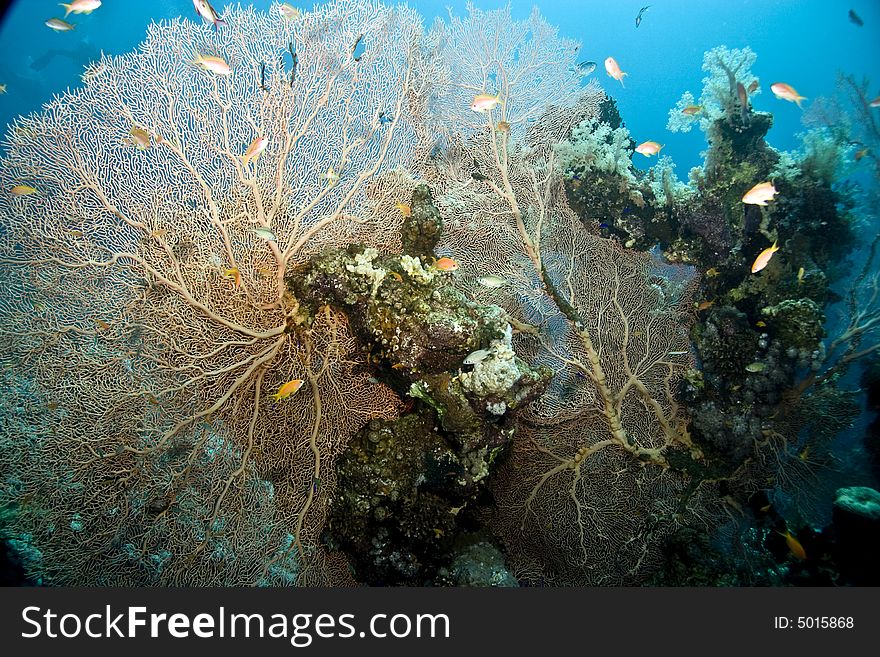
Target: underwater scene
(365, 293)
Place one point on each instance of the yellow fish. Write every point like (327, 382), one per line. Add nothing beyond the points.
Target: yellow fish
(794, 545)
(800, 275)
(288, 389)
(234, 274)
(23, 190)
(503, 126)
(690, 110)
(763, 258)
(761, 323)
(712, 272)
(405, 210)
(102, 324)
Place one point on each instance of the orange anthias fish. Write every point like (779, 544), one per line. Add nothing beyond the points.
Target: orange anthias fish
(787, 92)
(446, 264)
(139, 138)
(613, 69)
(405, 210)
(753, 87)
(742, 94)
(234, 274)
(861, 153)
(690, 110)
(794, 545)
(484, 103)
(81, 7)
(763, 258)
(648, 148)
(253, 151)
(216, 65)
(288, 389)
(760, 194)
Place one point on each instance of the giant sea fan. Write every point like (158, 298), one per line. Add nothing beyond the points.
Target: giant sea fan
(140, 443)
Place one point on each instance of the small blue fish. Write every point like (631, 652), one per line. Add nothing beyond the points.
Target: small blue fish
(583, 68)
(603, 225)
(384, 118)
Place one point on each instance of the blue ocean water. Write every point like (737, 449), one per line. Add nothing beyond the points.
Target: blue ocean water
(802, 42)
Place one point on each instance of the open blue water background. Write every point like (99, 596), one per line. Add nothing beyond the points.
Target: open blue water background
(801, 42)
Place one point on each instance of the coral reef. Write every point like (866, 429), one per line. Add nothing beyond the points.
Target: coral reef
(415, 344)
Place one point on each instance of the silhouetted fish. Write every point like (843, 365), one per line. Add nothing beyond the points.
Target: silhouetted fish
(855, 18)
